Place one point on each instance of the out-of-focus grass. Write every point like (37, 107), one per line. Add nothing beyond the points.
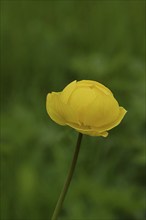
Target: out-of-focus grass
(44, 46)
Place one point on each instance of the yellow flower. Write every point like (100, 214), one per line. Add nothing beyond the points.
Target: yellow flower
(87, 106)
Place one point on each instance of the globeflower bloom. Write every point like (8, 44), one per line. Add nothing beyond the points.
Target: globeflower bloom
(87, 106)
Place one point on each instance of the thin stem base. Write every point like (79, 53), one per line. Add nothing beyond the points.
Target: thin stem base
(68, 179)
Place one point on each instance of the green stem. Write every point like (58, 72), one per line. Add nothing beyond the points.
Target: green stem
(68, 179)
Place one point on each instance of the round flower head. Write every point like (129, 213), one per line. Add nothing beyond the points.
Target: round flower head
(87, 106)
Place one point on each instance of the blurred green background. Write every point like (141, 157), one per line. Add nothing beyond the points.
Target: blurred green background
(44, 46)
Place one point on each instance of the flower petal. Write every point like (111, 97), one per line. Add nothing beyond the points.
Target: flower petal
(54, 108)
(88, 131)
(60, 112)
(67, 91)
(91, 83)
(117, 121)
(81, 97)
(103, 110)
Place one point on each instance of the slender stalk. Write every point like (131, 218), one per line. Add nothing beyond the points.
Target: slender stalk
(68, 179)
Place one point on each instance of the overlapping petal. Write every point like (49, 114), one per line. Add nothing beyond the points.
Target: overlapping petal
(89, 131)
(60, 112)
(67, 91)
(103, 110)
(81, 97)
(91, 83)
(114, 123)
(54, 108)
